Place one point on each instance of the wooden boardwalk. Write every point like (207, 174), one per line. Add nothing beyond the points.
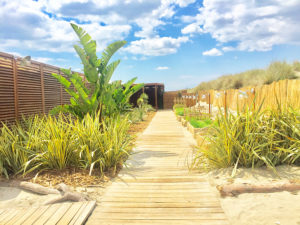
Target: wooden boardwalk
(60, 214)
(157, 188)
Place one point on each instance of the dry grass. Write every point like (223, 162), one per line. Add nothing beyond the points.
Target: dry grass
(256, 77)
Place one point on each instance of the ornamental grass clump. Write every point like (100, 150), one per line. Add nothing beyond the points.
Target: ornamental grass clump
(55, 143)
(253, 138)
(103, 146)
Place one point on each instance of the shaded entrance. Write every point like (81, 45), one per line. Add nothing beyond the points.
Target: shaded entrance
(155, 92)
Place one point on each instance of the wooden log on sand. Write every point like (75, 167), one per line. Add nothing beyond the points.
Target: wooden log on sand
(236, 189)
(64, 192)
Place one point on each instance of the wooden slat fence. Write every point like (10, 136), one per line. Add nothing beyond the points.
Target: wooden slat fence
(286, 92)
(27, 90)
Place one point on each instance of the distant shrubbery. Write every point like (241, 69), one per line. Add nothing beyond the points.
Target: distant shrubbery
(276, 71)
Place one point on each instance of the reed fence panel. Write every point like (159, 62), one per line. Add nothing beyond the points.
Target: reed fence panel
(284, 92)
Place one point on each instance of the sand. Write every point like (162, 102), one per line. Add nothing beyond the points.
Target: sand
(260, 208)
(14, 197)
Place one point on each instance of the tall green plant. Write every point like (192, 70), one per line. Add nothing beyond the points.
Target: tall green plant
(99, 93)
(254, 138)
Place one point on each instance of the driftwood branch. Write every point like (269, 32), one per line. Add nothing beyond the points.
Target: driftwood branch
(236, 189)
(36, 188)
(67, 195)
(63, 190)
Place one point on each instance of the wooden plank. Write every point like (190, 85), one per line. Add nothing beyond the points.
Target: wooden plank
(182, 211)
(69, 215)
(2, 211)
(85, 213)
(206, 204)
(116, 221)
(15, 77)
(74, 219)
(47, 214)
(174, 216)
(20, 215)
(173, 199)
(8, 216)
(31, 215)
(58, 214)
(42, 86)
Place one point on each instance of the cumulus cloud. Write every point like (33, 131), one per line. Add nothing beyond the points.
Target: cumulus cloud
(192, 28)
(42, 59)
(28, 28)
(44, 25)
(212, 52)
(156, 46)
(162, 68)
(251, 25)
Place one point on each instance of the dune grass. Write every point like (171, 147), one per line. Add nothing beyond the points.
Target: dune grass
(274, 72)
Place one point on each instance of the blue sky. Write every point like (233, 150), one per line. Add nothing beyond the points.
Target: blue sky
(176, 42)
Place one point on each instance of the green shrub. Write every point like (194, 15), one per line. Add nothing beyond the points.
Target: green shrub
(254, 139)
(200, 123)
(279, 71)
(179, 111)
(296, 66)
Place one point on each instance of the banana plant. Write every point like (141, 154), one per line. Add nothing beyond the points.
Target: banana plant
(100, 96)
(123, 93)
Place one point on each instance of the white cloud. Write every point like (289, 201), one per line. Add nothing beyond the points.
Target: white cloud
(42, 59)
(156, 46)
(228, 48)
(251, 25)
(162, 68)
(192, 28)
(212, 52)
(28, 28)
(43, 25)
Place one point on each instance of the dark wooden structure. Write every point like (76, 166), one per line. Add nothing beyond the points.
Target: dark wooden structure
(155, 92)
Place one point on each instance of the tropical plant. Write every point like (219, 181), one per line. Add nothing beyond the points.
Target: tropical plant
(97, 94)
(122, 93)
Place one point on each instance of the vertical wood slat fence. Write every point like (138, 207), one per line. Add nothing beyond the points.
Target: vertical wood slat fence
(27, 90)
(286, 92)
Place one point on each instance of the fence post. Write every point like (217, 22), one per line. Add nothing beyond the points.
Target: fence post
(209, 107)
(15, 78)
(61, 90)
(156, 106)
(253, 92)
(225, 103)
(42, 87)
